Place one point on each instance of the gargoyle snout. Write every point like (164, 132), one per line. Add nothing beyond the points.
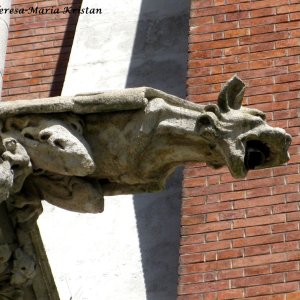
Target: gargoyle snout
(288, 140)
(267, 150)
(67, 152)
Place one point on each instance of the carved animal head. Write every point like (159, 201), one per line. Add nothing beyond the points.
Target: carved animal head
(53, 144)
(241, 134)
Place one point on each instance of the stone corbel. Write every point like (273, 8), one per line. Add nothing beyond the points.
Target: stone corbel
(73, 151)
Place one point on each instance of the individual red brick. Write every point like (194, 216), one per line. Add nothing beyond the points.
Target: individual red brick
(190, 297)
(258, 211)
(231, 294)
(258, 290)
(210, 296)
(293, 296)
(234, 16)
(269, 11)
(295, 16)
(211, 237)
(288, 9)
(262, 4)
(230, 274)
(257, 280)
(287, 78)
(214, 45)
(231, 234)
(236, 32)
(284, 266)
(210, 276)
(257, 250)
(257, 270)
(192, 239)
(263, 55)
(203, 287)
(293, 178)
(287, 26)
(293, 276)
(213, 207)
(212, 198)
(201, 4)
(287, 287)
(258, 230)
(205, 247)
(212, 217)
(222, 225)
(232, 215)
(258, 260)
(233, 195)
(259, 221)
(261, 201)
(262, 38)
(261, 64)
(211, 256)
(236, 50)
(195, 219)
(293, 235)
(191, 182)
(214, 10)
(258, 240)
(284, 247)
(293, 255)
(265, 20)
(260, 99)
(289, 207)
(287, 43)
(213, 179)
(235, 67)
(191, 258)
(293, 216)
(270, 297)
(293, 197)
(201, 21)
(281, 189)
(265, 191)
(219, 2)
(193, 201)
(200, 29)
(284, 227)
(205, 267)
(231, 253)
(195, 62)
(194, 278)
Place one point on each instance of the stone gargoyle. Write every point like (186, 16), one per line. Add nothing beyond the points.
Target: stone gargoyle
(72, 151)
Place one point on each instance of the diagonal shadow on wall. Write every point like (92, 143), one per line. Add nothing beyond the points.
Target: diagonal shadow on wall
(65, 51)
(159, 60)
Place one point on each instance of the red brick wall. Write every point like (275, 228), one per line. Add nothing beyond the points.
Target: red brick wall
(240, 238)
(38, 50)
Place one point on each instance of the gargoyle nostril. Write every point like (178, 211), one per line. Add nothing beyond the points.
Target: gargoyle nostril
(44, 136)
(28, 136)
(59, 144)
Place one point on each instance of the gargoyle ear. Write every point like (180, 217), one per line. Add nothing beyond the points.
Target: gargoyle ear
(231, 95)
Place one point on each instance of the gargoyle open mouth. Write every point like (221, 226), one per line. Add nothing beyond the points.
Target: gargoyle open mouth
(256, 154)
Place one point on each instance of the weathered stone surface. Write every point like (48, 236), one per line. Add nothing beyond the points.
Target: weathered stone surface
(71, 151)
